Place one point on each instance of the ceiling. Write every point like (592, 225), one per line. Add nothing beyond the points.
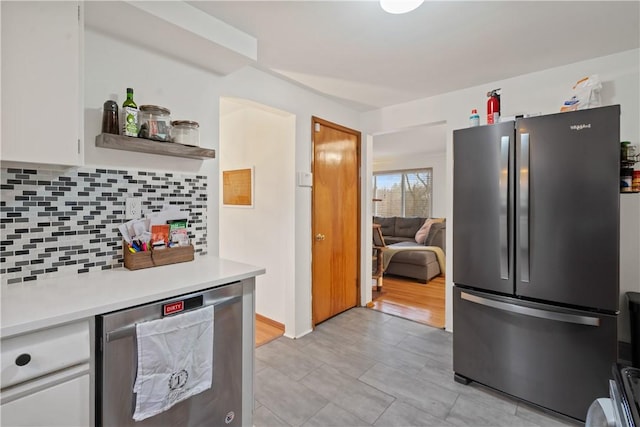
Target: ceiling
(368, 59)
(365, 58)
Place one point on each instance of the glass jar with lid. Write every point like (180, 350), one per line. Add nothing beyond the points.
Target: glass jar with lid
(155, 123)
(185, 132)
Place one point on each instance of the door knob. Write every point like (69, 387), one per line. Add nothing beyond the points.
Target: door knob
(320, 236)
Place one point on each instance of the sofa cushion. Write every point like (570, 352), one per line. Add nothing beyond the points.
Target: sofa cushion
(423, 232)
(437, 235)
(390, 240)
(407, 227)
(387, 225)
(414, 257)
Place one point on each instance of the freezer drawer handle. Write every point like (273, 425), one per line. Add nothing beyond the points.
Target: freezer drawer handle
(129, 330)
(533, 312)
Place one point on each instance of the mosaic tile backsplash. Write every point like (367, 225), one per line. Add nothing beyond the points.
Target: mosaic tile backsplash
(61, 223)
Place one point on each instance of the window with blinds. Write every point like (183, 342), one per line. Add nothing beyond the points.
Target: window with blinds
(403, 193)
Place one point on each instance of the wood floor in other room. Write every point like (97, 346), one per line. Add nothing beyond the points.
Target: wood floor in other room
(267, 330)
(410, 299)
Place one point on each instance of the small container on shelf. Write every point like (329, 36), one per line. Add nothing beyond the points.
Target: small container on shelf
(635, 186)
(155, 123)
(185, 132)
(632, 155)
(110, 121)
(628, 154)
(626, 180)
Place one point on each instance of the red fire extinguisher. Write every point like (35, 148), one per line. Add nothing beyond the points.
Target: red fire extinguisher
(493, 107)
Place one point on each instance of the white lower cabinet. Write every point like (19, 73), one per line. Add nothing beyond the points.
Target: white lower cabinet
(46, 377)
(65, 404)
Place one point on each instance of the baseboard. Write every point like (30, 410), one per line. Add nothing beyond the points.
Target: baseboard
(270, 322)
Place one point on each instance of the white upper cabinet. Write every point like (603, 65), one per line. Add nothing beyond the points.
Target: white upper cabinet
(41, 82)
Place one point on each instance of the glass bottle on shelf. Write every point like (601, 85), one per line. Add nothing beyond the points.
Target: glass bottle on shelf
(624, 150)
(129, 115)
(631, 154)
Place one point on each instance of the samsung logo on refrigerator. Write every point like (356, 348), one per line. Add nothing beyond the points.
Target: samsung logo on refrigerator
(580, 127)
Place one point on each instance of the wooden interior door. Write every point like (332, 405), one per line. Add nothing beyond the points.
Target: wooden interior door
(335, 219)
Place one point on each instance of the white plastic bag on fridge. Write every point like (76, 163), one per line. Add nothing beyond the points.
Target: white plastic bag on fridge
(586, 94)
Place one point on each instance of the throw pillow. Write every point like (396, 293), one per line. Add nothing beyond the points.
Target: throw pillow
(423, 232)
(436, 235)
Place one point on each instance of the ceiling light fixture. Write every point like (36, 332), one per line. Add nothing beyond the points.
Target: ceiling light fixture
(399, 6)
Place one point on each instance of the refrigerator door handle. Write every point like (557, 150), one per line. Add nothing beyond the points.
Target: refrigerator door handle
(532, 312)
(504, 210)
(524, 207)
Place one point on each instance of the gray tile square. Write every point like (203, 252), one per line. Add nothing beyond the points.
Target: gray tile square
(262, 417)
(287, 399)
(401, 414)
(542, 418)
(334, 416)
(362, 400)
(348, 362)
(468, 411)
(288, 360)
(424, 395)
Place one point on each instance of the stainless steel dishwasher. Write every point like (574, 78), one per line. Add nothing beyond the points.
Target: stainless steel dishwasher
(116, 363)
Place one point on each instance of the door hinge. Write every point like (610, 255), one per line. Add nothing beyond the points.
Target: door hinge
(78, 145)
(78, 13)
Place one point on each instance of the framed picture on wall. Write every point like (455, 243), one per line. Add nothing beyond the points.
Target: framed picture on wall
(238, 187)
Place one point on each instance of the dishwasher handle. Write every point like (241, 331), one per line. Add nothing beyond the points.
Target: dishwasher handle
(129, 330)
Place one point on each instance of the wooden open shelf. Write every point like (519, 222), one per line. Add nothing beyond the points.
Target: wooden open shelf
(141, 145)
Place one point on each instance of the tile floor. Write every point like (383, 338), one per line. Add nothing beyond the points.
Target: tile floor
(365, 368)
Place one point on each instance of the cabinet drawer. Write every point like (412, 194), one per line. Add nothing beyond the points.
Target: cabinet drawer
(65, 404)
(29, 356)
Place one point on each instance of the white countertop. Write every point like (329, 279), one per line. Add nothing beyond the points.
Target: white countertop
(44, 303)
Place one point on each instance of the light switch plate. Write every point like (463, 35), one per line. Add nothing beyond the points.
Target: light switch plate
(305, 179)
(133, 208)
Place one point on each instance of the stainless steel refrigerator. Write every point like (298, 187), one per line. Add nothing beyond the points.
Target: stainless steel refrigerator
(536, 257)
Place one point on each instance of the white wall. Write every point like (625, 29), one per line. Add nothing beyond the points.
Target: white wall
(191, 93)
(264, 139)
(251, 84)
(542, 92)
(188, 92)
(436, 161)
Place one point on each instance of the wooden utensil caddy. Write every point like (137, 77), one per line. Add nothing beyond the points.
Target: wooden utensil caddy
(146, 259)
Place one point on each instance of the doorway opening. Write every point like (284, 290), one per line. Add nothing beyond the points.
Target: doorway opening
(411, 149)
